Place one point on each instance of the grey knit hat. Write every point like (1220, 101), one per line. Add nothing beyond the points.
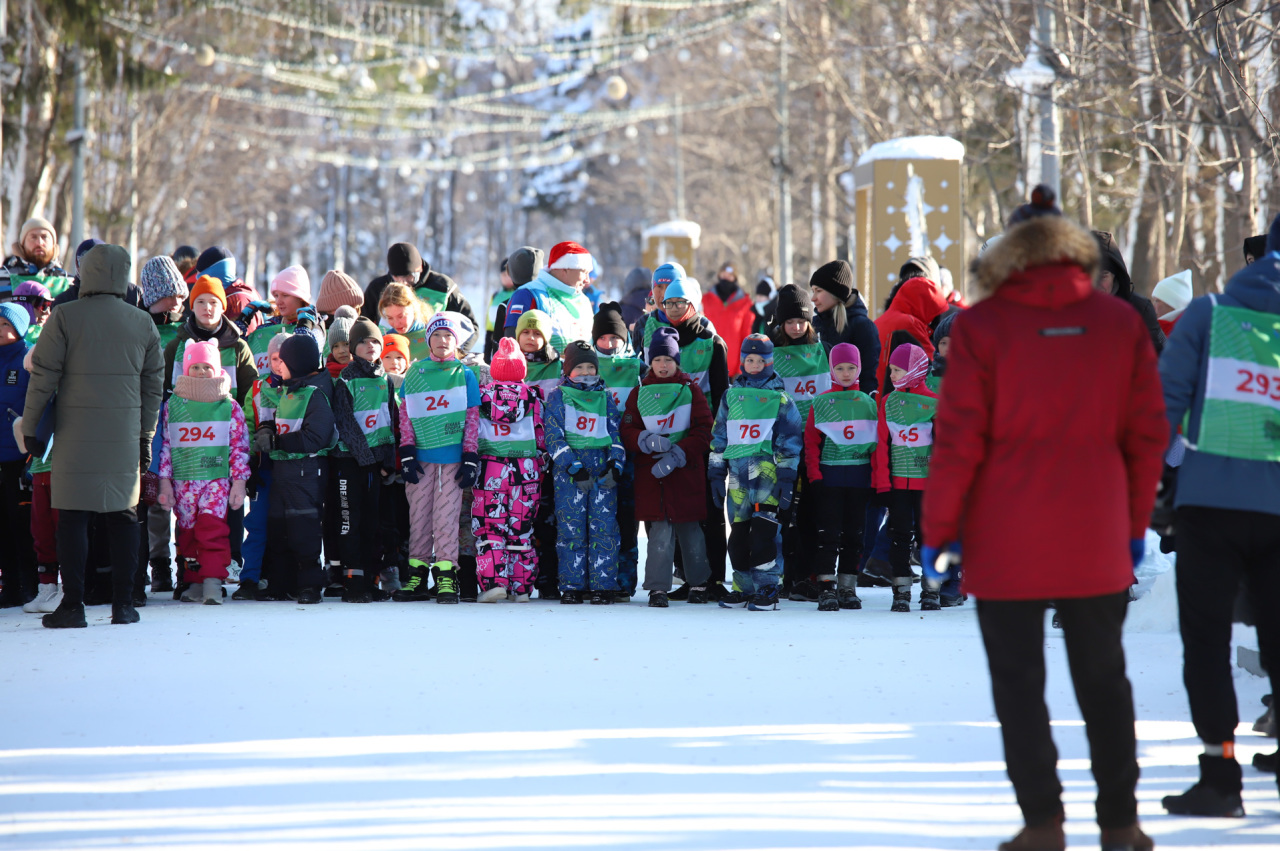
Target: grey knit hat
(161, 279)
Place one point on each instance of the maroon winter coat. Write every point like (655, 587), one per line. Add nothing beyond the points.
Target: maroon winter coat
(681, 497)
(1051, 427)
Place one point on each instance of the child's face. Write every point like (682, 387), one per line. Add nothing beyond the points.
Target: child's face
(664, 367)
(395, 363)
(278, 367)
(846, 374)
(531, 340)
(208, 310)
(369, 349)
(8, 334)
(796, 328)
(202, 370)
(443, 344)
(753, 364)
(944, 346)
(341, 352)
(896, 373)
(289, 305)
(583, 370)
(609, 343)
(399, 318)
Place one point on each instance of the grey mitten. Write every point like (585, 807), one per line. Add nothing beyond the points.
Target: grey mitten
(664, 465)
(676, 454)
(652, 443)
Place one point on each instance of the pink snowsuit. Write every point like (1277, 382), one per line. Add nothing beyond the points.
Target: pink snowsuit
(201, 506)
(505, 499)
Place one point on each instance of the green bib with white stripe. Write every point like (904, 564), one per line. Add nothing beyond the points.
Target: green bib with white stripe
(621, 377)
(910, 420)
(805, 373)
(226, 358)
(434, 299)
(1241, 413)
(695, 361)
(436, 396)
(666, 409)
(258, 342)
(847, 419)
(200, 439)
(265, 401)
(545, 376)
(752, 413)
(370, 402)
(291, 410)
(509, 440)
(586, 418)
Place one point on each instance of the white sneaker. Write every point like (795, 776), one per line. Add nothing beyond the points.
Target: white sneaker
(193, 594)
(212, 591)
(522, 598)
(44, 593)
(495, 594)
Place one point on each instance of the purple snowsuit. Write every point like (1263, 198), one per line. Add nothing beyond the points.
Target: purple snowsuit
(505, 498)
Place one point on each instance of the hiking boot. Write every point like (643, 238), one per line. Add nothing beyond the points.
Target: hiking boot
(901, 595)
(124, 613)
(849, 598)
(716, 591)
(246, 591)
(65, 617)
(733, 599)
(658, 600)
(1129, 838)
(1216, 795)
(415, 590)
(680, 594)
(308, 596)
(764, 600)
(930, 598)
(161, 576)
(571, 598)
(1047, 836)
(828, 600)
(805, 591)
(446, 582)
(212, 591)
(697, 596)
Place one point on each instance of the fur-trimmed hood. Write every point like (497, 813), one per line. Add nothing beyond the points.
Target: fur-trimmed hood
(1044, 241)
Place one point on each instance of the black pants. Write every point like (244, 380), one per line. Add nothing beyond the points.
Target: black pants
(123, 537)
(17, 553)
(297, 503)
(1217, 550)
(904, 525)
(717, 544)
(393, 527)
(358, 492)
(839, 514)
(1013, 632)
(800, 531)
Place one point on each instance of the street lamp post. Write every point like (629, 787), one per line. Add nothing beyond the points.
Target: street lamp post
(784, 148)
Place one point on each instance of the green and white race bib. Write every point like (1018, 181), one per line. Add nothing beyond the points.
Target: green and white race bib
(910, 420)
(621, 377)
(848, 420)
(666, 409)
(265, 401)
(370, 402)
(291, 410)
(1241, 413)
(436, 396)
(752, 414)
(200, 439)
(804, 371)
(695, 360)
(259, 341)
(586, 418)
(545, 376)
(509, 440)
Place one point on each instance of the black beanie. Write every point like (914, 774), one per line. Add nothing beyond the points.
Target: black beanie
(836, 278)
(210, 256)
(579, 351)
(608, 321)
(301, 354)
(524, 264)
(1043, 203)
(1255, 246)
(793, 303)
(402, 258)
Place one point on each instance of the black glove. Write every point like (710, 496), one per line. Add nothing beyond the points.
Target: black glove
(580, 477)
(144, 454)
(611, 476)
(264, 437)
(35, 446)
(410, 467)
(468, 471)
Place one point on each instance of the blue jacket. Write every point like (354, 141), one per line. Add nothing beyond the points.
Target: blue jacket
(562, 455)
(13, 396)
(1216, 481)
(788, 440)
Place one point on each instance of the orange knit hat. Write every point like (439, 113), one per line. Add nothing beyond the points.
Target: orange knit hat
(395, 343)
(206, 284)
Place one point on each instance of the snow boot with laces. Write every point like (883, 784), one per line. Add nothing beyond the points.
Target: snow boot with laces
(901, 594)
(658, 600)
(930, 597)
(847, 591)
(415, 590)
(446, 582)
(828, 599)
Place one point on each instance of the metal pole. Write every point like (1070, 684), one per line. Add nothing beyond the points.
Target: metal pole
(77, 162)
(784, 153)
(133, 194)
(1049, 131)
(679, 156)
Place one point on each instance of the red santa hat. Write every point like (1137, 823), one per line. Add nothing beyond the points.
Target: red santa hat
(570, 255)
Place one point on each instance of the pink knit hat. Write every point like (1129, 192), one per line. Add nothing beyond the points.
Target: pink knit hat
(292, 280)
(206, 352)
(507, 364)
(845, 353)
(911, 358)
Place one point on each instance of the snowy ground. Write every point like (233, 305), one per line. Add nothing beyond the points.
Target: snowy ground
(396, 726)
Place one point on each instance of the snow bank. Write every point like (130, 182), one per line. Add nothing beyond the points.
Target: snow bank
(915, 148)
(676, 229)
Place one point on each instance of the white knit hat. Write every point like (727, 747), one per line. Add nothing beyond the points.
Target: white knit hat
(1175, 291)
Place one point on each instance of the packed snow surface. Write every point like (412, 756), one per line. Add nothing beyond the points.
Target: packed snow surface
(274, 727)
(915, 148)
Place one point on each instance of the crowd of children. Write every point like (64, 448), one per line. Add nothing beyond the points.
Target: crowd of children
(306, 451)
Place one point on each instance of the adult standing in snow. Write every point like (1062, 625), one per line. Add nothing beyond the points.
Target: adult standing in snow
(1221, 368)
(34, 258)
(840, 316)
(102, 359)
(1018, 483)
(1115, 279)
(728, 308)
(523, 265)
(406, 266)
(557, 292)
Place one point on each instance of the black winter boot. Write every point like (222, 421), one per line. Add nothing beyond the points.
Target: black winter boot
(930, 597)
(847, 591)
(658, 600)
(415, 590)
(1266, 762)
(1217, 795)
(161, 576)
(247, 591)
(901, 594)
(446, 577)
(571, 598)
(124, 613)
(334, 588)
(828, 599)
(66, 616)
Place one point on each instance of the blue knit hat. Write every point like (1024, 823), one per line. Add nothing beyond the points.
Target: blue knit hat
(667, 274)
(217, 262)
(665, 342)
(17, 316)
(682, 288)
(758, 344)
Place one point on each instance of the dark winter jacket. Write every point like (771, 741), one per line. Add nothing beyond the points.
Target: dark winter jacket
(435, 283)
(1045, 490)
(1113, 262)
(318, 430)
(861, 332)
(1217, 481)
(132, 295)
(13, 394)
(349, 431)
(227, 337)
(679, 497)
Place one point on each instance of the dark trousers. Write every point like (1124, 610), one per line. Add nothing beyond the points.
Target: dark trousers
(393, 528)
(904, 525)
(1218, 549)
(17, 555)
(839, 515)
(717, 543)
(358, 492)
(1013, 632)
(123, 536)
(297, 503)
(800, 531)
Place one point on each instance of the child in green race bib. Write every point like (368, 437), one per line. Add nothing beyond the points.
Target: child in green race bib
(367, 415)
(439, 434)
(755, 453)
(839, 440)
(204, 465)
(264, 398)
(581, 426)
(900, 465)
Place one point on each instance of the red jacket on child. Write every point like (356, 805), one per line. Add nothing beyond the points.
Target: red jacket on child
(882, 478)
(681, 496)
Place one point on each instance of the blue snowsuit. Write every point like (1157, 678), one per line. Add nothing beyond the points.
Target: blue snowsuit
(752, 482)
(587, 533)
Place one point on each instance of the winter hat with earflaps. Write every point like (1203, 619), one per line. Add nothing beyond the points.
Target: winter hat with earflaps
(845, 353)
(507, 363)
(338, 289)
(758, 344)
(161, 279)
(1175, 291)
(911, 358)
(340, 326)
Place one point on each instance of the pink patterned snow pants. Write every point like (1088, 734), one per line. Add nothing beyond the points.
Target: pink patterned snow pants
(504, 506)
